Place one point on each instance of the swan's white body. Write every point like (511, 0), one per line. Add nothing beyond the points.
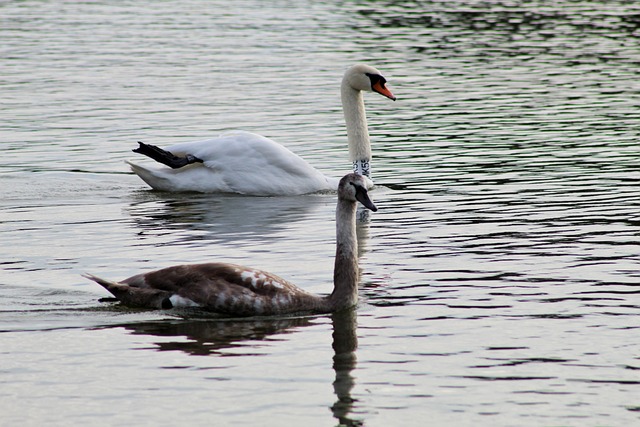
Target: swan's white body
(238, 162)
(250, 164)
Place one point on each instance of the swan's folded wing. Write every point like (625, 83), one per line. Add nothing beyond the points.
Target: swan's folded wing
(224, 288)
(247, 163)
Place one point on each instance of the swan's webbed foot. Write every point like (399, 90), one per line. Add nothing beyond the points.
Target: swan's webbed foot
(165, 157)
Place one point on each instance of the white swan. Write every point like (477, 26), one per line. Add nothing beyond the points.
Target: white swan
(250, 164)
(241, 291)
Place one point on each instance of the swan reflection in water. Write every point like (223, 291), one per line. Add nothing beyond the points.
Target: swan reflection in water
(345, 343)
(222, 217)
(213, 336)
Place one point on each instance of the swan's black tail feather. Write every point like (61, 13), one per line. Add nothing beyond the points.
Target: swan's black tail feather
(165, 157)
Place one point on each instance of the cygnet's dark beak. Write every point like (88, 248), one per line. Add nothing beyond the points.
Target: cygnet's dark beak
(362, 195)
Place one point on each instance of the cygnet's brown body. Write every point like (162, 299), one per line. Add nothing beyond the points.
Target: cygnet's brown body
(236, 290)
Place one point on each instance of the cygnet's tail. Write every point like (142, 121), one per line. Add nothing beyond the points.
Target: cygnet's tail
(133, 296)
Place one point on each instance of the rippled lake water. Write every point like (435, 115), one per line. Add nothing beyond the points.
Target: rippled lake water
(499, 277)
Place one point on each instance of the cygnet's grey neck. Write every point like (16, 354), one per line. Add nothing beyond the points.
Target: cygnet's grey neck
(345, 272)
(357, 130)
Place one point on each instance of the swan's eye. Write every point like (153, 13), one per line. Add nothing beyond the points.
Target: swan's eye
(376, 78)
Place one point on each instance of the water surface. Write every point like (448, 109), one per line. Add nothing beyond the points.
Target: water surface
(499, 277)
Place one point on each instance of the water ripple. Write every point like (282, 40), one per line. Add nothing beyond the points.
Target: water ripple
(499, 275)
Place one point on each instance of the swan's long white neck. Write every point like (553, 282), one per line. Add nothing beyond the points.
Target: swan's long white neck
(357, 130)
(345, 272)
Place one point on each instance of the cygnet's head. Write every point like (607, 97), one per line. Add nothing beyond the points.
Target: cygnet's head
(353, 187)
(366, 78)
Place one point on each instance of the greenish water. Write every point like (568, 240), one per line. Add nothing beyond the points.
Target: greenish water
(499, 277)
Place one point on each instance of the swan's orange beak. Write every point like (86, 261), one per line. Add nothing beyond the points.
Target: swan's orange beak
(380, 87)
